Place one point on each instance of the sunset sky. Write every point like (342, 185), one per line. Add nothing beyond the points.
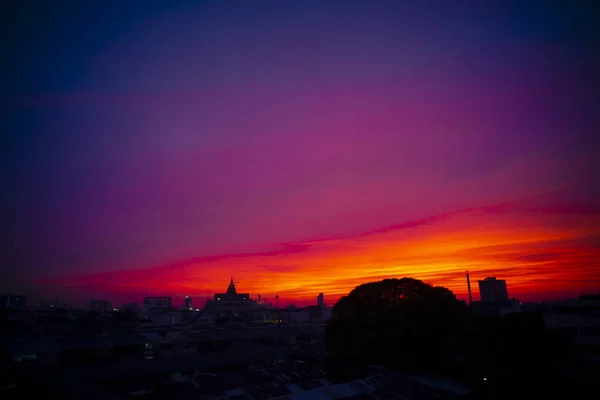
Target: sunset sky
(298, 146)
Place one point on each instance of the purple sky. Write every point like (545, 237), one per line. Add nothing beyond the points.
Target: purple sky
(145, 137)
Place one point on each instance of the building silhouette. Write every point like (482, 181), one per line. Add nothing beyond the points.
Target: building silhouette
(231, 294)
(133, 307)
(49, 304)
(13, 302)
(230, 301)
(188, 302)
(101, 306)
(154, 304)
(321, 300)
(492, 290)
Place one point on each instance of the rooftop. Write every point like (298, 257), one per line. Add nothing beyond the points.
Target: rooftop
(291, 380)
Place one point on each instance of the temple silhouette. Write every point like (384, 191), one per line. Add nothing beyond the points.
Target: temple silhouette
(230, 301)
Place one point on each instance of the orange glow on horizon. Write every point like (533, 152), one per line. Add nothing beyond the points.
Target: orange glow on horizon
(540, 255)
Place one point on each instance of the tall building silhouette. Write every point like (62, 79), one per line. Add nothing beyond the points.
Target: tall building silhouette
(321, 300)
(188, 302)
(493, 290)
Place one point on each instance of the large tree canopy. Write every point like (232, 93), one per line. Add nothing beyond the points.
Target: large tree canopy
(406, 323)
(393, 321)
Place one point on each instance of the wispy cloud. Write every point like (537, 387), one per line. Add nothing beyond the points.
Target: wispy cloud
(537, 250)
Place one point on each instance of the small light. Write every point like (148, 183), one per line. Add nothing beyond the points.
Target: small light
(485, 379)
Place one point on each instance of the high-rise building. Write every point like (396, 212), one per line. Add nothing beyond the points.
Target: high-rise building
(492, 290)
(321, 300)
(188, 302)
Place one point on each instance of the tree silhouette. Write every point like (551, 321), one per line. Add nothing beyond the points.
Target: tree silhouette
(408, 324)
(393, 321)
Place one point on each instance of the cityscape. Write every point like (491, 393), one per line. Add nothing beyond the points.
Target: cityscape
(299, 200)
(239, 347)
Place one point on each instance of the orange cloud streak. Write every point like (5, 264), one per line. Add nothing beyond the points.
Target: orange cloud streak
(541, 252)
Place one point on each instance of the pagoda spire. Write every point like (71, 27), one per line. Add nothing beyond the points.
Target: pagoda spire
(231, 287)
